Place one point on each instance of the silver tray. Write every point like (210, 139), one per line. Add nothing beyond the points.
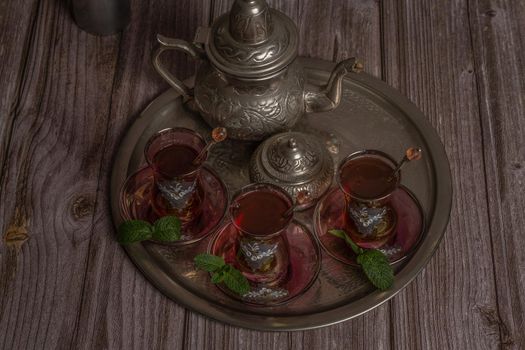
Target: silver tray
(372, 115)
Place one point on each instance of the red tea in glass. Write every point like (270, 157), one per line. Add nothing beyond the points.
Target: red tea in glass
(367, 180)
(260, 212)
(170, 153)
(175, 160)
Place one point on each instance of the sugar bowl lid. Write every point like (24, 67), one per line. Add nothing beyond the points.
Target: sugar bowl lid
(252, 40)
(296, 162)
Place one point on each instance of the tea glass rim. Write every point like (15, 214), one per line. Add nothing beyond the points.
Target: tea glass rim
(251, 188)
(363, 153)
(164, 131)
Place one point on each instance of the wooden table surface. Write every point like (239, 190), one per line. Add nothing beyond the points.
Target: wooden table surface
(68, 97)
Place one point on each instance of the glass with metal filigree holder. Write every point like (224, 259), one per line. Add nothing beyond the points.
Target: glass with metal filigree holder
(261, 213)
(172, 153)
(367, 180)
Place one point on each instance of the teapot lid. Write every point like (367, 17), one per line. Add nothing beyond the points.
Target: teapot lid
(294, 161)
(252, 40)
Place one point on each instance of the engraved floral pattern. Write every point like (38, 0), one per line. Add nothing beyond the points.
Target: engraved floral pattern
(286, 165)
(316, 185)
(257, 254)
(249, 55)
(265, 293)
(250, 28)
(368, 219)
(250, 112)
(177, 193)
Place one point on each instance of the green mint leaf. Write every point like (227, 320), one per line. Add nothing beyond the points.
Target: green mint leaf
(134, 231)
(208, 262)
(235, 281)
(377, 269)
(342, 234)
(167, 229)
(217, 277)
(222, 272)
(374, 263)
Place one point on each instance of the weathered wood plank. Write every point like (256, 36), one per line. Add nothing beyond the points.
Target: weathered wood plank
(70, 285)
(369, 331)
(427, 55)
(51, 173)
(334, 30)
(120, 308)
(16, 27)
(498, 37)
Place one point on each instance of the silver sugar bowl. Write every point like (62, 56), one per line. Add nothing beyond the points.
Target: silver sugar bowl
(296, 162)
(247, 77)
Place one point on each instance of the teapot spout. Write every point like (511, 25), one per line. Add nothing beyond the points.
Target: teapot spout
(329, 95)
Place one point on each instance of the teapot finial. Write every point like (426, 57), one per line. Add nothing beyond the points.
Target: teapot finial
(250, 21)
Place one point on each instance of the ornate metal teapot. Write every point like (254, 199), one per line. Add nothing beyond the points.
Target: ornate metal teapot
(247, 78)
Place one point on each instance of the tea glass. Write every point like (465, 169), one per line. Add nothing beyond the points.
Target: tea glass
(262, 252)
(177, 193)
(369, 220)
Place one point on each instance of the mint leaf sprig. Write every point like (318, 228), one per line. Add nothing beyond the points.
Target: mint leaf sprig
(222, 272)
(373, 262)
(165, 229)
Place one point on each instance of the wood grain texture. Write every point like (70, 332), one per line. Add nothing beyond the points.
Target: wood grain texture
(16, 27)
(51, 177)
(69, 97)
(498, 37)
(428, 55)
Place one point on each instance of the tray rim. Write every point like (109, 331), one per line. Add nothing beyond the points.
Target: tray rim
(436, 224)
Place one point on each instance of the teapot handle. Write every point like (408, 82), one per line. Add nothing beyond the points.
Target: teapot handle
(166, 43)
